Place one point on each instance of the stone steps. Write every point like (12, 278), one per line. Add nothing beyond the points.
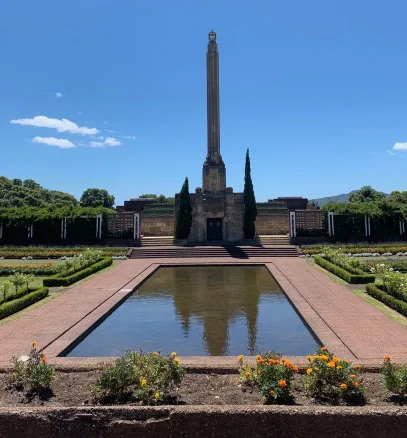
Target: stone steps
(218, 251)
(274, 240)
(157, 241)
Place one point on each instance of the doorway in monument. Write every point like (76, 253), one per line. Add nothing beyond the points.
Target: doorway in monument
(214, 229)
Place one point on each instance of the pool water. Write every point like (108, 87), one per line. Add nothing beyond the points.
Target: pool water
(202, 310)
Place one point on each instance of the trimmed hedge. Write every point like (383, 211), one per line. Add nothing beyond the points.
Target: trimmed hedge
(60, 280)
(24, 269)
(385, 298)
(39, 252)
(343, 273)
(18, 304)
(15, 295)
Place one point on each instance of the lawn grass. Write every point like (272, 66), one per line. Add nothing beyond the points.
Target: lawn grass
(36, 283)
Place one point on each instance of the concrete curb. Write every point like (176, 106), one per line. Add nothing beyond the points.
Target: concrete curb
(204, 421)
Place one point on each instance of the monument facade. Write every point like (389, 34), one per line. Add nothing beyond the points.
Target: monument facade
(217, 212)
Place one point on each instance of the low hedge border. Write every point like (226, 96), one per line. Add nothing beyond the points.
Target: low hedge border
(343, 273)
(396, 304)
(60, 280)
(18, 304)
(16, 295)
(38, 272)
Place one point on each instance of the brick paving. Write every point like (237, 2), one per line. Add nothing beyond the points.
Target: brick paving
(344, 322)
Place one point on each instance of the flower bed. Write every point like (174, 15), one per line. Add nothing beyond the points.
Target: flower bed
(396, 304)
(343, 273)
(62, 279)
(37, 269)
(45, 253)
(357, 249)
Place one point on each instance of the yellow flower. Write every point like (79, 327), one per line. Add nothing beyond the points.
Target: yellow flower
(240, 357)
(157, 395)
(331, 364)
(282, 383)
(344, 385)
(316, 368)
(247, 373)
(324, 357)
(352, 376)
(173, 354)
(309, 371)
(155, 353)
(335, 359)
(143, 382)
(176, 360)
(308, 357)
(33, 344)
(258, 357)
(356, 367)
(339, 367)
(315, 357)
(356, 384)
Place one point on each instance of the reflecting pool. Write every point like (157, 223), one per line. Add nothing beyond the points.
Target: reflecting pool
(202, 310)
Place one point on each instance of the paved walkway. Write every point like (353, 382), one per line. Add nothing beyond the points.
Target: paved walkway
(343, 322)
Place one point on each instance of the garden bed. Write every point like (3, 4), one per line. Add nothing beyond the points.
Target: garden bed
(10, 252)
(75, 389)
(343, 273)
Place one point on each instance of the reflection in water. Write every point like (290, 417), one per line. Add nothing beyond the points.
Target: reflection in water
(214, 310)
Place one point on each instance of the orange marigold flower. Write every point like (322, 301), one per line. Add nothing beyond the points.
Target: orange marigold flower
(387, 357)
(352, 376)
(247, 373)
(309, 371)
(308, 357)
(323, 348)
(339, 367)
(335, 359)
(356, 384)
(282, 383)
(273, 361)
(271, 393)
(331, 364)
(315, 357)
(324, 357)
(356, 366)
(33, 344)
(43, 359)
(344, 385)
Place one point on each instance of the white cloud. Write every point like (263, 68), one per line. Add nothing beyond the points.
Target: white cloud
(61, 125)
(400, 146)
(61, 143)
(108, 142)
(390, 152)
(58, 94)
(129, 137)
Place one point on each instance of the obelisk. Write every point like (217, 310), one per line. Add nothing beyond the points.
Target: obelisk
(214, 171)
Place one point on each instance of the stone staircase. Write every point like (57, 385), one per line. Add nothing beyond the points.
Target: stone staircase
(157, 241)
(277, 240)
(239, 252)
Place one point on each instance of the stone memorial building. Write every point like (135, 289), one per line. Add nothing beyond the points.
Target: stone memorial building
(217, 212)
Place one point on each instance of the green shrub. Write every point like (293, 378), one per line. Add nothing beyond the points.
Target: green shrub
(344, 274)
(332, 380)
(396, 304)
(394, 377)
(357, 248)
(60, 280)
(31, 373)
(272, 376)
(15, 295)
(26, 300)
(15, 252)
(142, 378)
(40, 270)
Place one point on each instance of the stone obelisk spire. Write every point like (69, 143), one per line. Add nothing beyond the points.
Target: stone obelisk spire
(214, 171)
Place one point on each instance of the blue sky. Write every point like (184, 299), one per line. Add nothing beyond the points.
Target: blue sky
(112, 94)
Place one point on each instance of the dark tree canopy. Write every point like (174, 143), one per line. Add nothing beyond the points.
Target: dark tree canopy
(184, 213)
(17, 193)
(366, 194)
(250, 209)
(96, 198)
(161, 199)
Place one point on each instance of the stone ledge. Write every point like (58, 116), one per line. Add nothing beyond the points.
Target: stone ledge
(204, 421)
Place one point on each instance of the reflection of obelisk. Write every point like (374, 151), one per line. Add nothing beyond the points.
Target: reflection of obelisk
(214, 171)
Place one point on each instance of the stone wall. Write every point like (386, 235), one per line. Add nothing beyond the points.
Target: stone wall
(272, 224)
(157, 225)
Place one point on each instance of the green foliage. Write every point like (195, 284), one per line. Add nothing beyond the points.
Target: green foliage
(394, 283)
(143, 378)
(394, 377)
(15, 193)
(355, 248)
(65, 280)
(17, 280)
(96, 198)
(366, 194)
(17, 252)
(250, 209)
(5, 288)
(184, 213)
(38, 270)
(161, 199)
(342, 273)
(394, 303)
(26, 300)
(31, 373)
(332, 380)
(272, 376)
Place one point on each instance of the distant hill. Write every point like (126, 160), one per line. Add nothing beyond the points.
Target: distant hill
(18, 193)
(343, 197)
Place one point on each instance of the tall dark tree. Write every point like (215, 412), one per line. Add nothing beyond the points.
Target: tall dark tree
(96, 198)
(184, 213)
(250, 209)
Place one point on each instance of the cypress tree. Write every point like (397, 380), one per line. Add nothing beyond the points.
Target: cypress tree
(184, 213)
(250, 209)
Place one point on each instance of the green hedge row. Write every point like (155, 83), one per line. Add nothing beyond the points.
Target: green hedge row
(15, 295)
(343, 273)
(39, 272)
(385, 298)
(18, 304)
(60, 280)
